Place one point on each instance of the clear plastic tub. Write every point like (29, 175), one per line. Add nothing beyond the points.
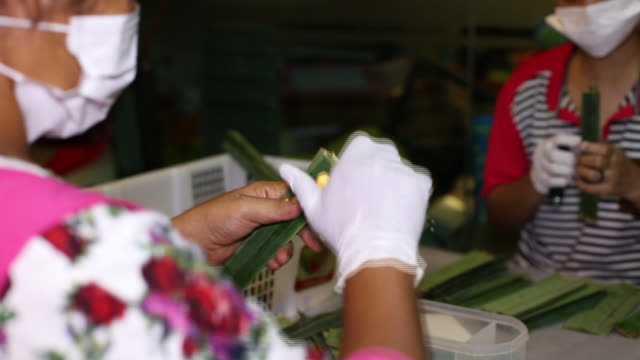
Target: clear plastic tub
(457, 333)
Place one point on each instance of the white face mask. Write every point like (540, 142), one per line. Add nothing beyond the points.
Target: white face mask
(106, 47)
(597, 28)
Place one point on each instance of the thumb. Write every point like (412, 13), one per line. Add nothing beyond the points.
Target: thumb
(267, 211)
(302, 185)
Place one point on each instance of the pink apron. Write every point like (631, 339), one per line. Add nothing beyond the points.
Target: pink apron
(31, 204)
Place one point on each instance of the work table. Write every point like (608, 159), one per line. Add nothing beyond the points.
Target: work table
(555, 342)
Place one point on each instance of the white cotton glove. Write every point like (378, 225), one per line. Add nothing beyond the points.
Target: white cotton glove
(553, 167)
(372, 211)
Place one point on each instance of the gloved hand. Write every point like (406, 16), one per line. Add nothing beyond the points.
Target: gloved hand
(553, 167)
(372, 211)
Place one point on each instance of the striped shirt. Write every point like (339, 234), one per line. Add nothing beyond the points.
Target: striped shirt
(533, 106)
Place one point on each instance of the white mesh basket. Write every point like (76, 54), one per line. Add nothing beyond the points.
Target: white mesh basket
(175, 189)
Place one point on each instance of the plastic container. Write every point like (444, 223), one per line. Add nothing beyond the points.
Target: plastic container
(178, 188)
(457, 333)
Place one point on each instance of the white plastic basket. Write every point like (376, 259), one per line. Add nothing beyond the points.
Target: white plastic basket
(175, 189)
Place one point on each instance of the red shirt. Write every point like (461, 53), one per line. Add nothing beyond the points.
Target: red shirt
(507, 159)
(533, 106)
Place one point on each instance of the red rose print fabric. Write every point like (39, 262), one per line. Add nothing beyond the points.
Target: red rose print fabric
(179, 306)
(100, 307)
(65, 240)
(163, 275)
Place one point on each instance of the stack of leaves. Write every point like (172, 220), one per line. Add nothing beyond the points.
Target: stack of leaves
(621, 299)
(480, 280)
(549, 301)
(581, 300)
(630, 327)
(259, 247)
(472, 281)
(528, 300)
(484, 292)
(449, 279)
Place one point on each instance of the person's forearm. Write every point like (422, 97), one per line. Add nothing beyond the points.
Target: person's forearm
(381, 311)
(510, 205)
